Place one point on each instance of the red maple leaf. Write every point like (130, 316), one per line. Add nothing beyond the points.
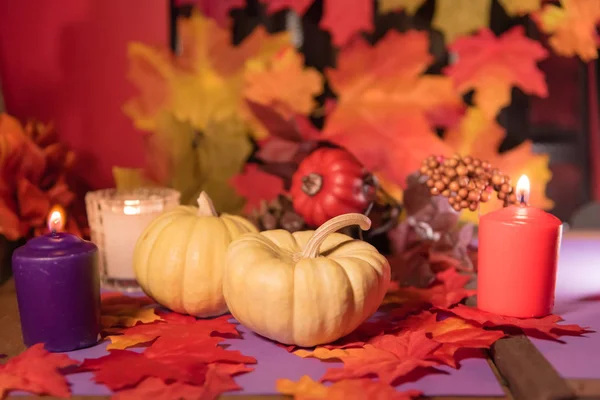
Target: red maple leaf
(361, 335)
(36, 371)
(493, 65)
(207, 351)
(218, 380)
(449, 291)
(547, 325)
(388, 356)
(122, 368)
(256, 185)
(344, 20)
(115, 302)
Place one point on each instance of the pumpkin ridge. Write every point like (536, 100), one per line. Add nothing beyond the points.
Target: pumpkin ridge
(193, 226)
(153, 250)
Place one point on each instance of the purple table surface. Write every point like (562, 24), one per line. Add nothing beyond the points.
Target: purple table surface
(578, 302)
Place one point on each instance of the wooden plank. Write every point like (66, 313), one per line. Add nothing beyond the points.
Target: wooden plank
(527, 373)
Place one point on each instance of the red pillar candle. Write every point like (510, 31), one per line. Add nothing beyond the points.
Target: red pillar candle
(517, 259)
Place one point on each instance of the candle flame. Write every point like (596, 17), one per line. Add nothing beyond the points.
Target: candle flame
(132, 207)
(523, 189)
(56, 219)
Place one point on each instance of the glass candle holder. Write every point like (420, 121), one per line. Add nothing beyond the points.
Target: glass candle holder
(117, 218)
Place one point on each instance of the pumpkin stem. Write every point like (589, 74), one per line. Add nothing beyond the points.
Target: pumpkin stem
(311, 250)
(206, 207)
(312, 183)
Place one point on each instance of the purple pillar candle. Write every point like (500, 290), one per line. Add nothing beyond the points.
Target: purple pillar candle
(58, 291)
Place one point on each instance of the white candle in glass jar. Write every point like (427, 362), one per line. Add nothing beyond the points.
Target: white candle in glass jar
(121, 232)
(117, 219)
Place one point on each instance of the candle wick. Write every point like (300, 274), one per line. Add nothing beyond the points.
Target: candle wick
(522, 197)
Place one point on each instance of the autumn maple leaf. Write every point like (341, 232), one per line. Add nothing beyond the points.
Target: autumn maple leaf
(519, 8)
(344, 20)
(449, 291)
(547, 325)
(455, 18)
(453, 333)
(263, 83)
(388, 356)
(572, 27)
(119, 310)
(122, 368)
(216, 10)
(206, 350)
(384, 103)
(36, 371)
(256, 186)
(179, 328)
(218, 380)
(492, 65)
(520, 160)
(355, 389)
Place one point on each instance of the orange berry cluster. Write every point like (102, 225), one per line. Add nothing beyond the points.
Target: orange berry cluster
(466, 181)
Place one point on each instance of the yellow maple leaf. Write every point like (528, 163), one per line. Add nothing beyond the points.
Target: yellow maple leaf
(520, 8)
(130, 317)
(456, 18)
(202, 85)
(481, 137)
(305, 388)
(322, 353)
(410, 7)
(122, 342)
(572, 27)
(130, 178)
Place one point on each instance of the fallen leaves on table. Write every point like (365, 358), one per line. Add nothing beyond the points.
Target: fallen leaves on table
(455, 18)
(410, 7)
(256, 186)
(453, 333)
(520, 160)
(218, 380)
(519, 8)
(119, 310)
(449, 289)
(343, 20)
(36, 371)
(547, 326)
(389, 358)
(356, 389)
(175, 327)
(492, 65)
(385, 104)
(572, 27)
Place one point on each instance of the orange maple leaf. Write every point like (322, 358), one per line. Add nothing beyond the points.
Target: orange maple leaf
(572, 27)
(384, 104)
(453, 333)
(492, 65)
(388, 356)
(521, 160)
(355, 389)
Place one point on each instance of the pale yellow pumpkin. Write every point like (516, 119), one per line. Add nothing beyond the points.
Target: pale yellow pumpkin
(180, 257)
(305, 288)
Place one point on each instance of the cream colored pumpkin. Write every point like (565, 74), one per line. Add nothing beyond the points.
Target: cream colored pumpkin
(305, 288)
(180, 257)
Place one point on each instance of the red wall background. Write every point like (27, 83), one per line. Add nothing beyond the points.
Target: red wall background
(66, 61)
